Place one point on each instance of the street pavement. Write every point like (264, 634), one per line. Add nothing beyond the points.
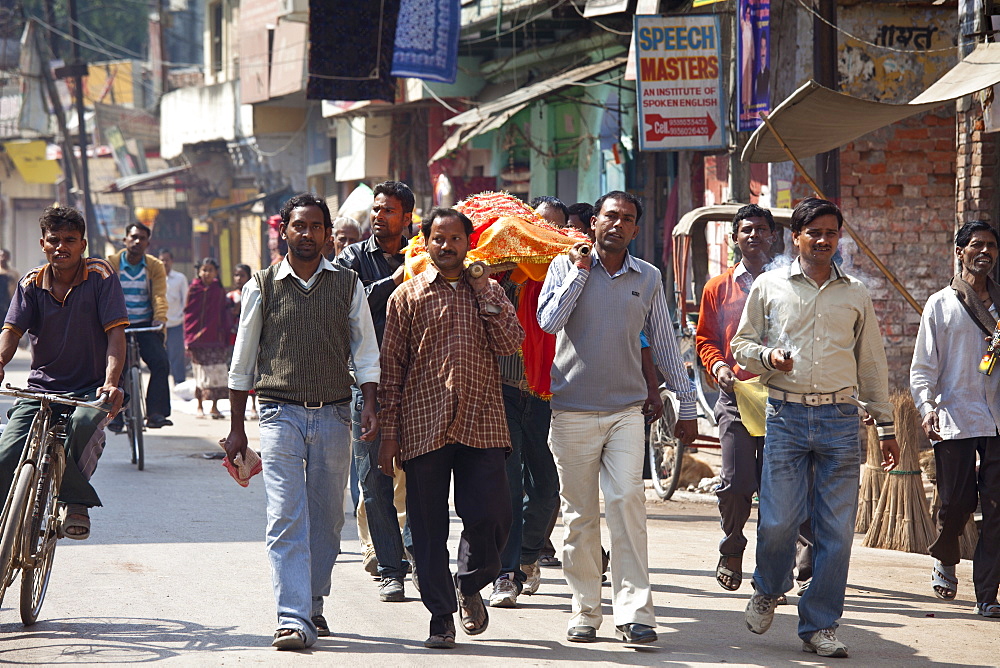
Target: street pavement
(176, 572)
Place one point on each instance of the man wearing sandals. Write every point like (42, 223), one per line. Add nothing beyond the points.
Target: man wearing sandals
(810, 331)
(442, 414)
(597, 305)
(73, 310)
(961, 413)
(742, 454)
(302, 322)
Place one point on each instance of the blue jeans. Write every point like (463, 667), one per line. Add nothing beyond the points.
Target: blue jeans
(532, 478)
(377, 494)
(305, 505)
(175, 353)
(821, 441)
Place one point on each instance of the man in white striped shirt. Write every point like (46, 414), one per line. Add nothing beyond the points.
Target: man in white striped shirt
(597, 305)
(144, 281)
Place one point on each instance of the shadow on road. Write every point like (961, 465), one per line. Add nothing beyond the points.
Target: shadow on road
(116, 640)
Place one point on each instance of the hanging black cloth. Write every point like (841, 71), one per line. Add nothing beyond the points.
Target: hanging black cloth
(350, 52)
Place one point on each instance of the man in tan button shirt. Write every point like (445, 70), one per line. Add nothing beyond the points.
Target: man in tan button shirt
(810, 331)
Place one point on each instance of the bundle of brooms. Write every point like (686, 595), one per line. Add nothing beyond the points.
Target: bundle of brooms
(872, 481)
(902, 519)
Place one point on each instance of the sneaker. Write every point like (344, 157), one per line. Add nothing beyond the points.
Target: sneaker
(370, 561)
(824, 643)
(760, 612)
(391, 591)
(504, 592)
(803, 586)
(534, 574)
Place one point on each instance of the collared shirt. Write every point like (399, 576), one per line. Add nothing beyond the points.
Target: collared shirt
(364, 349)
(944, 372)
(69, 340)
(375, 269)
(177, 290)
(564, 284)
(440, 380)
(830, 329)
(721, 307)
(135, 284)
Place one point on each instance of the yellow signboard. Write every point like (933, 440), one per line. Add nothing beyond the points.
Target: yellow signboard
(29, 158)
(702, 3)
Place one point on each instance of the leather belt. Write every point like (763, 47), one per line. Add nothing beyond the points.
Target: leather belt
(520, 385)
(311, 405)
(845, 396)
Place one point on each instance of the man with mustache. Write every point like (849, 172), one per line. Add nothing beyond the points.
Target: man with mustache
(442, 414)
(811, 333)
(378, 262)
(597, 305)
(961, 413)
(304, 325)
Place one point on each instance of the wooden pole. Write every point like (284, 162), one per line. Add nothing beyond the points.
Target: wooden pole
(847, 228)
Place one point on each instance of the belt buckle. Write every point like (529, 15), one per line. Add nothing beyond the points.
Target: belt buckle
(312, 405)
(812, 399)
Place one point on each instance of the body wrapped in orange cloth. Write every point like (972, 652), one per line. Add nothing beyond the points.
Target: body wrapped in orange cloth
(508, 232)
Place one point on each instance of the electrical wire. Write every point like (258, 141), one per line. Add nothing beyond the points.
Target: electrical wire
(866, 42)
(599, 24)
(517, 27)
(438, 99)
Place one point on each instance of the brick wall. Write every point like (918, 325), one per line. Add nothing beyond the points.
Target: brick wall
(898, 192)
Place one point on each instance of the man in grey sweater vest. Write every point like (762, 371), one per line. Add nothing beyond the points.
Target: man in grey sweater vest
(301, 322)
(597, 305)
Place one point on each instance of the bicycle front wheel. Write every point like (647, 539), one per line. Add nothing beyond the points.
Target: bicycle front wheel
(20, 493)
(666, 453)
(40, 538)
(134, 419)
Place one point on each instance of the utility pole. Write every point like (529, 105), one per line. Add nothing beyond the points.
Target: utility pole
(77, 70)
(825, 73)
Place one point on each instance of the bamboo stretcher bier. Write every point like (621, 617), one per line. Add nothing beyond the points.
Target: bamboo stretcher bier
(477, 269)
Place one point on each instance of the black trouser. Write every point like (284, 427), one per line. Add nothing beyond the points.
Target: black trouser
(742, 461)
(960, 492)
(482, 501)
(153, 351)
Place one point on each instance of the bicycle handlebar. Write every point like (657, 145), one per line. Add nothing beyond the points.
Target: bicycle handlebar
(20, 393)
(140, 330)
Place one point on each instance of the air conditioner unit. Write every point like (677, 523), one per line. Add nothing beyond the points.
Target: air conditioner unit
(294, 10)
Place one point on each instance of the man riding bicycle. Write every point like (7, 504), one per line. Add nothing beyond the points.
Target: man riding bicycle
(73, 310)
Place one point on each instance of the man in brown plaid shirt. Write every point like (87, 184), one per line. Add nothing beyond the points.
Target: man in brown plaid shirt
(442, 412)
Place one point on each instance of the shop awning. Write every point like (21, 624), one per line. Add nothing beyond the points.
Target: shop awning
(148, 181)
(492, 115)
(815, 119)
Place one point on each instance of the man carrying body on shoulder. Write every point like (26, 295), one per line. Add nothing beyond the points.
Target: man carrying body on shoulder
(961, 413)
(177, 290)
(144, 281)
(73, 311)
(598, 305)
(810, 331)
(378, 261)
(443, 420)
(302, 323)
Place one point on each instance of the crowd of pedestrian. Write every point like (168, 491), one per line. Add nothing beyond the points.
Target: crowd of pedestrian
(419, 383)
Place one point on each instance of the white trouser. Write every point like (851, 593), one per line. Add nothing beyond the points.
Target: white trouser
(588, 446)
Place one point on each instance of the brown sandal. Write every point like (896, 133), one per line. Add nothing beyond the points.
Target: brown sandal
(475, 617)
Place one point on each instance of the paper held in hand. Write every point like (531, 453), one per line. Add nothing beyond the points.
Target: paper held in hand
(245, 467)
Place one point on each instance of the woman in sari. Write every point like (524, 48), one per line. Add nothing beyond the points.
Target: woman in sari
(207, 325)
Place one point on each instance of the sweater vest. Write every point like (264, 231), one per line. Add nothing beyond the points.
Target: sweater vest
(305, 341)
(598, 364)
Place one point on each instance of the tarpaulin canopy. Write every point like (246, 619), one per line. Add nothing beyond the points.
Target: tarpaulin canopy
(815, 119)
(491, 115)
